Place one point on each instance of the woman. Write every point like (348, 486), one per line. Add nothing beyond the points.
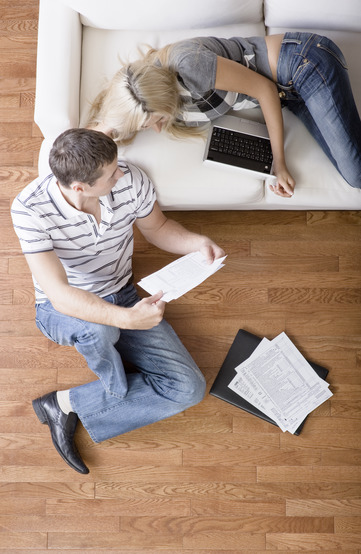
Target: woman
(186, 84)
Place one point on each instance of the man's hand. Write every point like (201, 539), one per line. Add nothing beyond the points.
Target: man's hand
(211, 251)
(147, 313)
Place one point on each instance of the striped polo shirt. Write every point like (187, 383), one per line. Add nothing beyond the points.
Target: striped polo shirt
(96, 258)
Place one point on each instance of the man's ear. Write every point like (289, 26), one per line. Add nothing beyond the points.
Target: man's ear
(77, 186)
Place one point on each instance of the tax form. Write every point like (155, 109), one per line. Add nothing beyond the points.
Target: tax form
(180, 276)
(280, 382)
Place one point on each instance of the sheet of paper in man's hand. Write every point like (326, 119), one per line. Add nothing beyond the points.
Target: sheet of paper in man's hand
(180, 276)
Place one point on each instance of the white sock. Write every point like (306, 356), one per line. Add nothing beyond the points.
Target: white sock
(63, 399)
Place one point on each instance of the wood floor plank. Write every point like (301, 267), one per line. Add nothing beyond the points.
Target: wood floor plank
(135, 507)
(124, 539)
(237, 508)
(258, 524)
(218, 540)
(47, 490)
(172, 550)
(252, 455)
(23, 506)
(68, 524)
(304, 474)
(343, 508)
(226, 490)
(168, 474)
(306, 542)
(28, 541)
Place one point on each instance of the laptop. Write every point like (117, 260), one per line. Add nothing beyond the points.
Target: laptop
(241, 143)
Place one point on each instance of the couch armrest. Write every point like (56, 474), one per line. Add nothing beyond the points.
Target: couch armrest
(58, 68)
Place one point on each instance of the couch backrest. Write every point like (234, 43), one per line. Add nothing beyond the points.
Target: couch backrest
(341, 15)
(165, 14)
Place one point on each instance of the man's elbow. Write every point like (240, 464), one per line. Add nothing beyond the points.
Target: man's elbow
(60, 300)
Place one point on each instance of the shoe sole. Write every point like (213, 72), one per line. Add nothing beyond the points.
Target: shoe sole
(38, 409)
(43, 418)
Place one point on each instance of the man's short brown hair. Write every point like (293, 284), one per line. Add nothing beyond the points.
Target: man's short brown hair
(80, 155)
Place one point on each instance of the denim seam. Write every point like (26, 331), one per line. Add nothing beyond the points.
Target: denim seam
(107, 410)
(171, 381)
(333, 54)
(100, 377)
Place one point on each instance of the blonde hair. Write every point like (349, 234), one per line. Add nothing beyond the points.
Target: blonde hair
(138, 90)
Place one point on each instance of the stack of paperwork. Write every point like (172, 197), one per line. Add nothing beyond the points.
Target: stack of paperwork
(280, 382)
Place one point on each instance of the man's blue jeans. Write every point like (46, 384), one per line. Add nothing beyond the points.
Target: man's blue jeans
(312, 73)
(167, 380)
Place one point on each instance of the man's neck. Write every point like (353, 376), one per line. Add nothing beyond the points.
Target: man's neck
(86, 204)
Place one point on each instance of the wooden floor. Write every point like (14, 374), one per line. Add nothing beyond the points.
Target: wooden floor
(212, 479)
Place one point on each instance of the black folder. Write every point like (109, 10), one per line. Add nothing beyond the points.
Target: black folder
(242, 347)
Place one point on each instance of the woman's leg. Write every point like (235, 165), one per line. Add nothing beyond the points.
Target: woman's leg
(313, 74)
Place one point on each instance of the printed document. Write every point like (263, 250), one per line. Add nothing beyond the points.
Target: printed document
(280, 382)
(180, 276)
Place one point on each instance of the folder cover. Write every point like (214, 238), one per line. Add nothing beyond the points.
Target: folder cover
(242, 347)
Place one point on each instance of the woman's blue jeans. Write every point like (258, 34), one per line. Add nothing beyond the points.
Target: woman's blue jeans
(167, 380)
(312, 73)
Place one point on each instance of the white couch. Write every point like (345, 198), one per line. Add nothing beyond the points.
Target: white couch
(81, 41)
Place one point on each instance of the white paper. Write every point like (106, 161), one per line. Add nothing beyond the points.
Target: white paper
(280, 382)
(180, 276)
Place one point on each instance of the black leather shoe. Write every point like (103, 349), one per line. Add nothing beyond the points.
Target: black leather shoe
(62, 428)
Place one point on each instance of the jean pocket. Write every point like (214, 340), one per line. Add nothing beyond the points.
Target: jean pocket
(331, 48)
(41, 328)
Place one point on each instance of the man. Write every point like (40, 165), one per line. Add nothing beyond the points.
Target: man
(76, 231)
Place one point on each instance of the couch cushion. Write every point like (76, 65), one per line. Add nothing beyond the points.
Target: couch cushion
(318, 183)
(183, 181)
(164, 15)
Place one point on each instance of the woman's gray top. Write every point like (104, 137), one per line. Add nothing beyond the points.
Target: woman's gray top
(195, 62)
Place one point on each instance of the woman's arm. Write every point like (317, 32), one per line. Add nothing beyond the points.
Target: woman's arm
(232, 76)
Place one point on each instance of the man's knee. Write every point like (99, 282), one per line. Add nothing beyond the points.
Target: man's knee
(101, 334)
(194, 390)
(199, 390)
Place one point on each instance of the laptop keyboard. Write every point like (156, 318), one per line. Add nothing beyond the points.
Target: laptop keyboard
(240, 149)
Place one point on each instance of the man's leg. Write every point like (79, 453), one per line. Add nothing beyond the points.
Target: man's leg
(96, 343)
(168, 382)
(93, 341)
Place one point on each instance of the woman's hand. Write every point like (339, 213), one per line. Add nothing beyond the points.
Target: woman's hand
(285, 183)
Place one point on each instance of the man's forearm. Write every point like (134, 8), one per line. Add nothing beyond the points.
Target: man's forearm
(145, 314)
(173, 237)
(85, 305)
